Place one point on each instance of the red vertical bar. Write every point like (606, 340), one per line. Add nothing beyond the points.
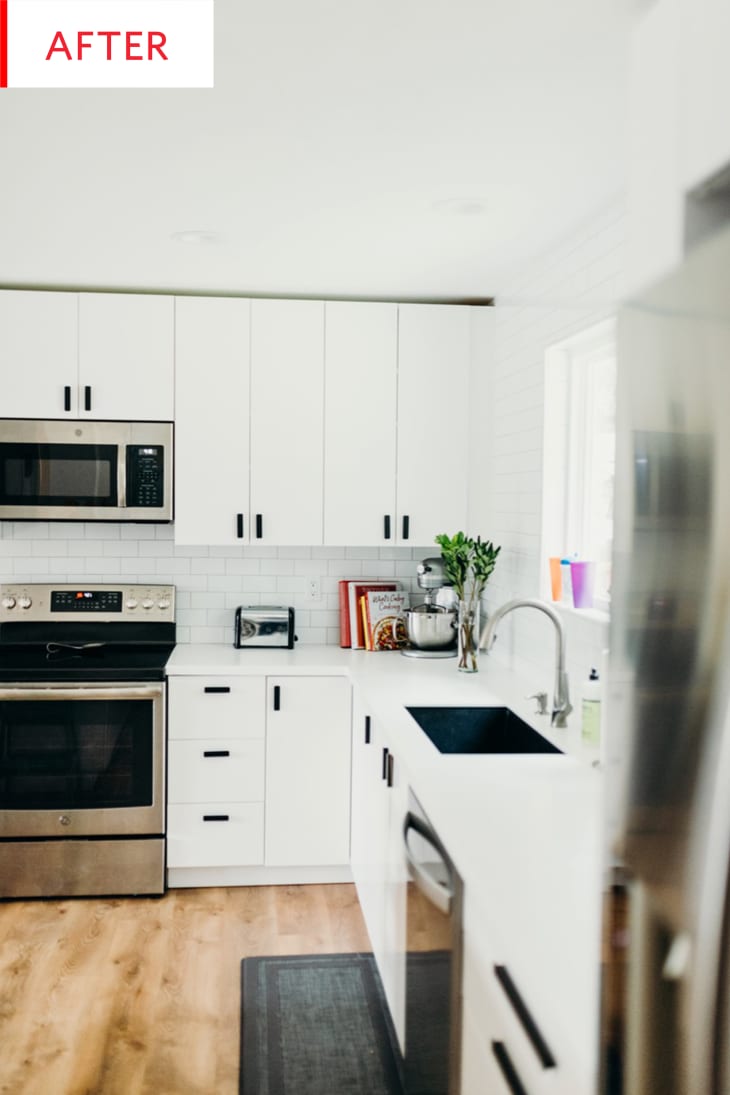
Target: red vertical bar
(3, 43)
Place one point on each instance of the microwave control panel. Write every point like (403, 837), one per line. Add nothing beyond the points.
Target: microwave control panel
(145, 476)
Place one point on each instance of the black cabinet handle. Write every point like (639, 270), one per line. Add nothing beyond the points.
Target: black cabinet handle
(87, 397)
(239, 526)
(367, 729)
(259, 526)
(523, 1014)
(277, 697)
(389, 768)
(386, 526)
(385, 763)
(217, 688)
(216, 752)
(406, 526)
(67, 397)
(508, 1070)
(216, 817)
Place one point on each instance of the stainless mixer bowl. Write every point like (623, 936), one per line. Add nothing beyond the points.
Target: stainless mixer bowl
(431, 628)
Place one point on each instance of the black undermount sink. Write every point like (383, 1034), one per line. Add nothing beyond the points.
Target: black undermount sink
(479, 730)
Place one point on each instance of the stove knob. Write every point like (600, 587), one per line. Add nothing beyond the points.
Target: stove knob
(163, 604)
(8, 602)
(24, 602)
(147, 604)
(131, 604)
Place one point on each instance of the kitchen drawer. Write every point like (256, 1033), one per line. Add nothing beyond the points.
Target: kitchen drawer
(235, 839)
(216, 770)
(216, 707)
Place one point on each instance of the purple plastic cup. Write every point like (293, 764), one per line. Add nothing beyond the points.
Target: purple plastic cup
(583, 576)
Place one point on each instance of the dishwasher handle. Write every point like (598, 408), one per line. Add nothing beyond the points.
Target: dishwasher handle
(438, 894)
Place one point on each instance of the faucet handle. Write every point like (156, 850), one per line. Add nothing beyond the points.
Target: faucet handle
(542, 702)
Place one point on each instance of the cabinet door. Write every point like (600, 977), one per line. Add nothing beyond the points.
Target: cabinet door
(212, 420)
(126, 356)
(38, 354)
(307, 771)
(433, 401)
(287, 401)
(360, 423)
(369, 823)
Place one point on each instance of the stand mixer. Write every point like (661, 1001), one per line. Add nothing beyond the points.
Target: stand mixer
(431, 626)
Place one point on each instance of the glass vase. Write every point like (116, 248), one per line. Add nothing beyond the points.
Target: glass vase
(468, 655)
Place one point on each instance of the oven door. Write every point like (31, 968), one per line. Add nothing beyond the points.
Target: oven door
(82, 760)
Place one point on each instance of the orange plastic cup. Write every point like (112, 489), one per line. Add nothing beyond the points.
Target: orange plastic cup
(556, 582)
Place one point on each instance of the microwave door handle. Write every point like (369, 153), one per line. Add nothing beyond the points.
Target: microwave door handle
(440, 896)
(122, 476)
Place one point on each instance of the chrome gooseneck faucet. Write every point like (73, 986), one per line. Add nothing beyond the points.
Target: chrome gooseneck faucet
(561, 699)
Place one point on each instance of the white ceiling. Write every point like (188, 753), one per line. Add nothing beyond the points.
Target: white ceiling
(408, 149)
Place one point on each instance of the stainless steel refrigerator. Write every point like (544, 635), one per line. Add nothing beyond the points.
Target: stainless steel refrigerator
(666, 983)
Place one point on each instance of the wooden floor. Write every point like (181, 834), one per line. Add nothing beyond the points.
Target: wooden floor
(141, 995)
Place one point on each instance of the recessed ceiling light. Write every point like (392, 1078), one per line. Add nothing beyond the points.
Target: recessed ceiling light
(462, 207)
(196, 236)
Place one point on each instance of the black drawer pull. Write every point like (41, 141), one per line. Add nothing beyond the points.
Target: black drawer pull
(259, 526)
(389, 770)
(385, 763)
(523, 1014)
(87, 397)
(217, 688)
(406, 526)
(367, 729)
(508, 1070)
(216, 817)
(277, 697)
(386, 527)
(239, 526)
(216, 752)
(67, 397)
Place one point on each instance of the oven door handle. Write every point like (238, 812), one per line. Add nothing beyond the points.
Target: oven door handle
(119, 691)
(439, 895)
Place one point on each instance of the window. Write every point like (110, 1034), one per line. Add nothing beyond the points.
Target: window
(579, 452)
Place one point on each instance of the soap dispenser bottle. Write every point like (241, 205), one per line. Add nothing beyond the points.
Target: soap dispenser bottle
(591, 709)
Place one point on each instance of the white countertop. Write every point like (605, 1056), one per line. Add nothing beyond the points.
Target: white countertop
(544, 862)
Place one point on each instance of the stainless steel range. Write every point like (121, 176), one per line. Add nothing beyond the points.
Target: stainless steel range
(82, 738)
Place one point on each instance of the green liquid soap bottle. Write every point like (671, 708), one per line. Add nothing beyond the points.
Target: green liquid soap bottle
(591, 710)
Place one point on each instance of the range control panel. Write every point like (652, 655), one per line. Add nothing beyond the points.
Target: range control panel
(36, 602)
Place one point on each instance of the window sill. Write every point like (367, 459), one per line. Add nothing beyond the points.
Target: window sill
(600, 615)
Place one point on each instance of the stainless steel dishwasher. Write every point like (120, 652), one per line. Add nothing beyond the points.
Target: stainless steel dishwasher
(433, 960)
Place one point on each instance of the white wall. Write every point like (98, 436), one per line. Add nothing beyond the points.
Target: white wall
(210, 581)
(572, 286)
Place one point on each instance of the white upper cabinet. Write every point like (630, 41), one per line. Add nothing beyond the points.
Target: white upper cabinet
(433, 405)
(126, 357)
(38, 354)
(396, 393)
(287, 421)
(361, 346)
(212, 421)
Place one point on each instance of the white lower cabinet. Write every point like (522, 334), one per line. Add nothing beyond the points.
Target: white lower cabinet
(379, 805)
(307, 771)
(258, 778)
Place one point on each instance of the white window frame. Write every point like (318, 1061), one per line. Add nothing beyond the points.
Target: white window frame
(568, 444)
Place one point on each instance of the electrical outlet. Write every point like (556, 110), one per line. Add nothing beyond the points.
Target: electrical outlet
(314, 589)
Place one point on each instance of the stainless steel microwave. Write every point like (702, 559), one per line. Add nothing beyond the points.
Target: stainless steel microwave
(85, 471)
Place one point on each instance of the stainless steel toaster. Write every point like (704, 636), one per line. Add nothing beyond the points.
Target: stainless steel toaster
(264, 625)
